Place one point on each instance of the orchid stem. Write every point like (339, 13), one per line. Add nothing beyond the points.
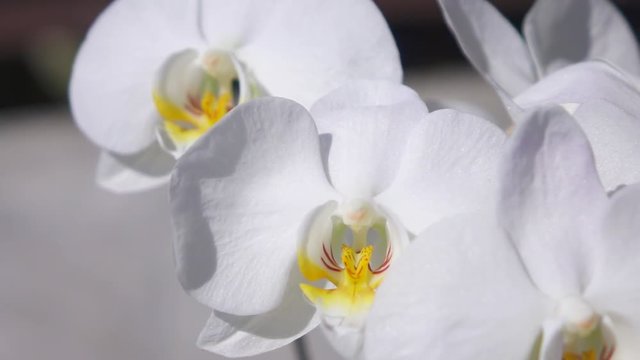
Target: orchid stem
(301, 349)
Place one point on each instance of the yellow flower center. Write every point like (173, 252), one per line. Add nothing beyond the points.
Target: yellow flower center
(194, 92)
(583, 333)
(590, 346)
(355, 283)
(185, 124)
(366, 243)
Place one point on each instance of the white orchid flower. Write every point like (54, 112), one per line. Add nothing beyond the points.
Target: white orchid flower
(152, 76)
(607, 107)
(577, 53)
(277, 204)
(557, 280)
(557, 33)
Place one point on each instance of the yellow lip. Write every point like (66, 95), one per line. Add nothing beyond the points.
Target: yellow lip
(185, 124)
(354, 282)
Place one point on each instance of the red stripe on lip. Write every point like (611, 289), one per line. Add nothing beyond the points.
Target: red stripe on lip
(329, 266)
(330, 256)
(385, 264)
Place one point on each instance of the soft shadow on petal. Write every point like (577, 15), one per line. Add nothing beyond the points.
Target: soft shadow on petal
(448, 167)
(232, 25)
(308, 48)
(560, 33)
(582, 83)
(606, 104)
(364, 94)
(145, 170)
(345, 341)
(460, 291)
(626, 335)
(551, 347)
(491, 43)
(368, 123)
(239, 199)
(615, 138)
(615, 289)
(550, 200)
(234, 336)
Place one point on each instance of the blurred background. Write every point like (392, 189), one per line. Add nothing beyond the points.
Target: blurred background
(85, 274)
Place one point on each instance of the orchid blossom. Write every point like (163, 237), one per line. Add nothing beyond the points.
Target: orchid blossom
(580, 54)
(287, 218)
(153, 76)
(555, 277)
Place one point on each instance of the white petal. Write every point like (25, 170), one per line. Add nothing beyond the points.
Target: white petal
(132, 173)
(240, 197)
(363, 94)
(234, 336)
(560, 33)
(113, 76)
(627, 340)
(614, 135)
(303, 49)
(551, 347)
(458, 292)
(491, 43)
(615, 289)
(581, 83)
(550, 199)
(364, 126)
(449, 167)
(345, 341)
(232, 25)
(607, 107)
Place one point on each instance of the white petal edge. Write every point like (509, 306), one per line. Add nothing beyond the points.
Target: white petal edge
(363, 94)
(232, 25)
(491, 43)
(551, 347)
(615, 290)
(614, 135)
(449, 167)
(582, 83)
(239, 336)
(111, 95)
(458, 292)
(606, 104)
(560, 33)
(310, 47)
(239, 199)
(122, 174)
(550, 199)
(626, 340)
(345, 341)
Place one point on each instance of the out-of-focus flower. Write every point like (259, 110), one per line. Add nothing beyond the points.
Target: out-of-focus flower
(277, 204)
(556, 279)
(607, 107)
(154, 75)
(577, 53)
(556, 34)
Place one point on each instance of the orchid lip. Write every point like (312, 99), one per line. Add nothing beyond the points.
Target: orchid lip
(583, 331)
(351, 246)
(194, 91)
